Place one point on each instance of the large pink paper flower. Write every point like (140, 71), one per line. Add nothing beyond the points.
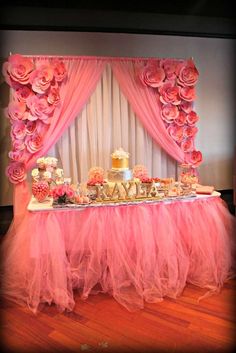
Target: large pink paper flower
(22, 93)
(152, 75)
(187, 107)
(59, 70)
(16, 172)
(40, 108)
(169, 112)
(188, 74)
(194, 158)
(34, 143)
(169, 93)
(18, 145)
(192, 118)
(181, 118)
(176, 132)
(169, 67)
(190, 131)
(17, 69)
(16, 110)
(30, 127)
(18, 130)
(16, 156)
(53, 95)
(187, 145)
(41, 78)
(187, 93)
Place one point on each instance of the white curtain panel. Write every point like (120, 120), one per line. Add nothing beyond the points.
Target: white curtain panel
(106, 123)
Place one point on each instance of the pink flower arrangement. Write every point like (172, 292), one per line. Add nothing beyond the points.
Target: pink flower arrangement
(140, 171)
(62, 193)
(36, 93)
(174, 82)
(95, 181)
(96, 174)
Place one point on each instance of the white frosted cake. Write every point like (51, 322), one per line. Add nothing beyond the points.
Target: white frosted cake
(119, 171)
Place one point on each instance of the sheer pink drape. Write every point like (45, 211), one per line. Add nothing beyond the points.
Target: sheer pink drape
(83, 76)
(145, 104)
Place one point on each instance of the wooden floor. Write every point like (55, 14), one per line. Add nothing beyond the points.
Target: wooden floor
(100, 324)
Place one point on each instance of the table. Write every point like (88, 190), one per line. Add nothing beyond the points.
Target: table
(137, 253)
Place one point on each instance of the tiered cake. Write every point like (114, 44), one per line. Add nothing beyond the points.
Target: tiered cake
(119, 171)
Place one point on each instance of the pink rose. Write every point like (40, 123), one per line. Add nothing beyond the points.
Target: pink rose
(18, 145)
(169, 93)
(152, 75)
(194, 158)
(69, 191)
(34, 142)
(181, 119)
(186, 106)
(187, 145)
(192, 118)
(18, 130)
(53, 95)
(188, 74)
(16, 172)
(169, 112)
(187, 93)
(59, 70)
(190, 131)
(16, 156)
(16, 110)
(22, 93)
(176, 132)
(30, 127)
(18, 69)
(41, 78)
(40, 108)
(169, 67)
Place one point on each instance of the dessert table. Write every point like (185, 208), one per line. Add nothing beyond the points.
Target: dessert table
(136, 252)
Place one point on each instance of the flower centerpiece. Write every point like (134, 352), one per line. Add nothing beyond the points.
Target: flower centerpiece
(62, 194)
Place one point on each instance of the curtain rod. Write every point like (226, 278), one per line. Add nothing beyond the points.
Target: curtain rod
(93, 57)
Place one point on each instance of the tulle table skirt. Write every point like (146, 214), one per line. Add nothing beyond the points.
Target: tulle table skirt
(135, 253)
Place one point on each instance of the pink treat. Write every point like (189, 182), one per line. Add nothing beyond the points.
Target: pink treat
(40, 190)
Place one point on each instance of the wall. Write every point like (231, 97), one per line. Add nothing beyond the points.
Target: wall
(215, 104)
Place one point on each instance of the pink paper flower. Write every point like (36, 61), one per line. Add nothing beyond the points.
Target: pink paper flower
(152, 75)
(16, 110)
(169, 67)
(190, 131)
(187, 145)
(16, 156)
(192, 118)
(17, 69)
(40, 108)
(176, 132)
(194, 158)
(140, 171)
(169, 112)
(186, 106)
(18, 130)
(34, 143)
(169, 93)
(41, 78)
(22, 93)
(30, 127)
(59, 70)
(18, 145)
(188, 74)
(187, 93)
(16, 172)
(53, 95)
(181, 119)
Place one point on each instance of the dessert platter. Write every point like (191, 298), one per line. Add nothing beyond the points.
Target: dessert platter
(119, 185)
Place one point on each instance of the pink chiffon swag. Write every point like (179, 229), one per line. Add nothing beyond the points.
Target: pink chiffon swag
(137, 254)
